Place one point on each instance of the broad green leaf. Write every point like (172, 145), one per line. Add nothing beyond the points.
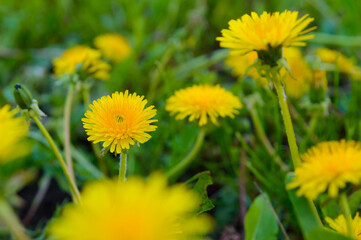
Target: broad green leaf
(321, 233)
(354, 201)
(260, 223)
(203, 181)
(329, 207)
(306, 212)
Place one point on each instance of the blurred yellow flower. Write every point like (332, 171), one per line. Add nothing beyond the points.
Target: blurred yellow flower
(265, 32)
(119, 121)
(134, 210)
(240, 65)
(340, 226)
(298, 82)
(201, 102)
(343, 63)
(328, 166)
(13, 131)
(88, 58)
(113, 46)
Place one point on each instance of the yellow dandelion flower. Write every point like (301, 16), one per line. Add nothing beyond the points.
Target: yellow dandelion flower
(343, 63)
(328, 166)
(240, 65)
(297, 84)
(119, 121)
(13, 131)
(113, 46)
(82, 55)
(265, 32)
(340, 226)
(203, 102)
(134, 210)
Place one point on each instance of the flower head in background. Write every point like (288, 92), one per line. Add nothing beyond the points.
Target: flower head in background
(13, 131)
(203, 102)
(340, 226)
(343, 63)
(266, 32)
(119, 121)
(297, 83)
(134, 210)
(328, 166)
(88, 58)
(113, 46)
(240, 65)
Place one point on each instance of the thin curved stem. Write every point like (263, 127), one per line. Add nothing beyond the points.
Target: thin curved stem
(347, 213)
(123, 166)
(177, 169)
(73, 188)
(282, 99)
(8, 216)
(67, 136)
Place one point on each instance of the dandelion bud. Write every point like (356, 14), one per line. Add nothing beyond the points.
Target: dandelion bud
(318, 86)
(23, 97)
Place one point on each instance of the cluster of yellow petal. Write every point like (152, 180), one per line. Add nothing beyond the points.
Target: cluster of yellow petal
(13, 131)
(340, 226)
(119, 120)
(328, 166)
(88, 58)
(113, 46)
(343, 63)
(269, 30)
(298, 82)
(134, 210)
(201, 102)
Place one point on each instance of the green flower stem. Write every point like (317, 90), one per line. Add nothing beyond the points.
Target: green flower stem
(177, 169)
(347, 213)
(266, 143)
(73, 188)
(287, 120)
(123, 166)
(336, 87)
(95, 147)
(67, 136)
(8, 216)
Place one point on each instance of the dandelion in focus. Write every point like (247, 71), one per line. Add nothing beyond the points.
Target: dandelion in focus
(135, 210)
(328, 166)
(13, 131)
(339, 225)
(266, 34)
(119, 121)
(86, 57)
(113, 46)
(203, 102)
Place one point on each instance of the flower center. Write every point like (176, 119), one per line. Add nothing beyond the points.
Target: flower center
(119, 118)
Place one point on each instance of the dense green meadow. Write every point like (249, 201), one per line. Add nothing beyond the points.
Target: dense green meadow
(240, 167)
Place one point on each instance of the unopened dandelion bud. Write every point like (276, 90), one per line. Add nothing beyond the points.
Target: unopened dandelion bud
(23, 97)
(318, 86)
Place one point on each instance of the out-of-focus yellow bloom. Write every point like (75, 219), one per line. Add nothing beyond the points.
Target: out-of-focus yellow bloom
(298, 82)
(134, 210)
(119, 121)
(113, 46)
(240, 65)
(328, 166)
(343, 63)
(319, 80)
(340, 226)
(201, 102)
(88, 58)
(265, 32)
(13, 130)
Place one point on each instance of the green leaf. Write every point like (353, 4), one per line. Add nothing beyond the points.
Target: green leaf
(321, 233)
(329, 207)
(354, 201)
(260, 223)
(204, 180)
(305, 211)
